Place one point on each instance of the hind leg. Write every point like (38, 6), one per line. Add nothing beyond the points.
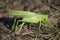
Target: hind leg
(18, 29)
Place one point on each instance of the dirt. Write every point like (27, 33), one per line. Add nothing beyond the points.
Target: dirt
(30, 31)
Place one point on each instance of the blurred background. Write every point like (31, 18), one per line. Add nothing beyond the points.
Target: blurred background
(49, 7)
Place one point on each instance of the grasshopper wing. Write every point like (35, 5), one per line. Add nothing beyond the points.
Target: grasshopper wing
(22, 13)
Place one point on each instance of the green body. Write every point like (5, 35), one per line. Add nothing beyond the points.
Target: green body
(30, 17)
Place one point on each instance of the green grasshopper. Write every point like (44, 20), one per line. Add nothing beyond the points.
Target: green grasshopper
(30, 17)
